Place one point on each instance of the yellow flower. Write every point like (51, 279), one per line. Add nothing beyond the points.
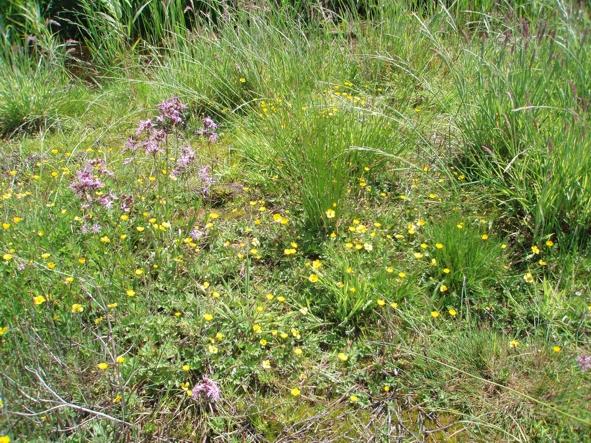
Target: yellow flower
(439, 245)
(263, 342)
(402, 274)
(130, 293)
(381, 302)
(51, 265)
(298, 351)
(82, 260)
(556, 348)
(139, 272)
(257, 329)
(549, 243)
(117, 399)
(443, 288)
(4, 439)
(7, 257)
(513, 344)
(120, 359)
(39, 300)
(528, 277)
(484, 236)
(313, 278)
(535, 249)
(207, 317)
(103, 366)
(105, 239)
(266, 364)
(242, 80)
(5, 226)
(386, 388)
(393, 305)
(316, 264)
(289, 251)
(295, 392)
(353, 398)
(330, 213)
(77, 308)
(112, 305)
(342, 356)
(435, 314)
(68, 280)
(212, 349)
(186, 368)
(452, 312)
(4, 330)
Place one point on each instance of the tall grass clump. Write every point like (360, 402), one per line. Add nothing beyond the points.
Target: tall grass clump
(112, 29)
(468, 260)
(32, 96)
(225, 66)
(312, 149)
(523, 127)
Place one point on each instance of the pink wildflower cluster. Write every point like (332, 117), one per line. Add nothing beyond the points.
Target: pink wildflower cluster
(207, 389)
(151, 134)
(87, 182)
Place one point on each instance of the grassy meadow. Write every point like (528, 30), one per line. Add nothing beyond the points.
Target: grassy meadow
(295, 221)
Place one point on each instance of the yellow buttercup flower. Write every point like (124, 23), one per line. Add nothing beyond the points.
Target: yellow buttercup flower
(77, 308)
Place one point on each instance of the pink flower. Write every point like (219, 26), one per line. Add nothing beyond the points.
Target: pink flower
(208, 389)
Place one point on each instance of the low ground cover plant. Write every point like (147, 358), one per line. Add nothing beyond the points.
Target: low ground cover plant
(294, 221)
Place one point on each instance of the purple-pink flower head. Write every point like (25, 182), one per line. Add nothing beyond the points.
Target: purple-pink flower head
(584, 362)
(186, 158)
(196, 233)
(209, 130)
(143, 126)
(126, 202)
(207, 179)
(171, 111)
(107, 200)
(208, 123)
(85, 182)
(207, 389)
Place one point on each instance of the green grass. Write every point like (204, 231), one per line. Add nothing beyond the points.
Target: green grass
(387, 240)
